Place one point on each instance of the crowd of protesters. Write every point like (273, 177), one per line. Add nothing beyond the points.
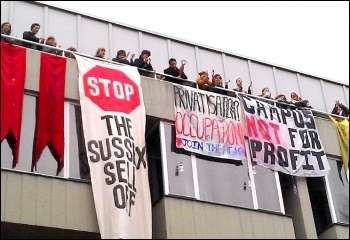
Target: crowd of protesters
(171, 74)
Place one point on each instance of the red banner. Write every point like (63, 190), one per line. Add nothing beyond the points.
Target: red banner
(13, 70)
(49, 129)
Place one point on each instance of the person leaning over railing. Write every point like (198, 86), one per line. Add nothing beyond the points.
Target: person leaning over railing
(51, 41)
(298, 101)
(203, 80)
(282, 102)
(70, 54)
(31, 36)
(340, 109)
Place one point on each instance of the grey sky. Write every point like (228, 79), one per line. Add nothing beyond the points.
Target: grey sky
(310, 37)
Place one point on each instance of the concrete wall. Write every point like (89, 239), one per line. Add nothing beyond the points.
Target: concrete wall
(76, 29)
(60, 203)
(199, 220)
(335, 232)
(46, 201)
(53, 202)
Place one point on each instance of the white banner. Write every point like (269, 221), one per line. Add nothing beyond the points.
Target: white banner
(208, 123)
(114, 117)
(284, 140)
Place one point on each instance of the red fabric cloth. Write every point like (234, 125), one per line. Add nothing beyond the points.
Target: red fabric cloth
(13, 71)
(49, 130)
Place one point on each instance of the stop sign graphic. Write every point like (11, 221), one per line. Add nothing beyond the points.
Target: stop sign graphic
(111, 89)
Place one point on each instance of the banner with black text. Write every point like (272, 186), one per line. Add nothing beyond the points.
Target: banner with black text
(208, 123)
(284, 140)
(113, 115)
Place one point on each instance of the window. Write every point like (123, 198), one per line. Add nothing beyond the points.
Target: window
(224, 183)
(46, 164)
(339, 188)
(178, 168)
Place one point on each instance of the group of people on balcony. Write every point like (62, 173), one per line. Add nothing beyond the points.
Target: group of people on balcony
(205, 83)
(145, 68)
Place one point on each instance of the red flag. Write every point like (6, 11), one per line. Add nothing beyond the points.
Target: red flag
(49, 129)
(13, 70)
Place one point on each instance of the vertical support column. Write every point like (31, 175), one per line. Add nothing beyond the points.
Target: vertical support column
(45, 27)
(323, 96)
(303, 219)
(298, 81)
(66, 140)
(274, 79)
(223, 58)
(250, 74)
(140, 42)
(11, 12)
(111, 49)
(168, 41)
(346, 99)
(164, 159)
(79, 34)
(195, 176)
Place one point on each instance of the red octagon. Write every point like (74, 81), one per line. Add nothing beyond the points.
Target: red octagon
(111, 89)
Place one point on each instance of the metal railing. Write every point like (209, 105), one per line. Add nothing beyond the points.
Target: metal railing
(177, 80)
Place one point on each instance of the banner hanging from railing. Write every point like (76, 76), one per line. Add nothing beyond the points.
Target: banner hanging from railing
(284, 140)
(208, 123)
(114, 117)
(342, 128)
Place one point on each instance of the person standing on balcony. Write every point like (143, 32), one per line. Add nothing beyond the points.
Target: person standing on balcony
(122, 58)
(216, 80)
(298, 101)
(144, 63)
(340, 109)
(31, 36)
(217, 83)
(239, 88)
(100, 53)
(51, 41)
(265, 93)
(70, 54)
(6, 30)
(173, 70)
(203, 80)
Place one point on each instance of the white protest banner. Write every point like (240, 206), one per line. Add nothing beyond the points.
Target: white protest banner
(208, 123)
(113, 115)
(284, 140)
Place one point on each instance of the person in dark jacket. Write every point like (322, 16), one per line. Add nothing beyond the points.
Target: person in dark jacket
(31, 36)
(340, 109)
(122, 58)
(173, 70)
(144, 63)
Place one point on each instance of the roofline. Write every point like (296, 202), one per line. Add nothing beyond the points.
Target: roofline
(187, 42)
